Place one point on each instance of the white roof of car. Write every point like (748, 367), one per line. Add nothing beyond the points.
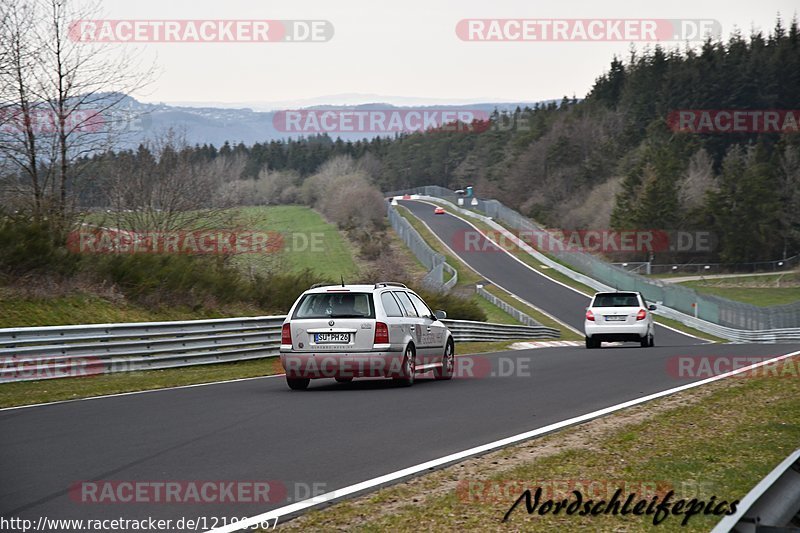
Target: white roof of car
(356, 288)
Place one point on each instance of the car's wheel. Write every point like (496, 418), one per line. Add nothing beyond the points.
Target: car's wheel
(343, 380)
(409, 370)
(652, 340)
(645, 341)
(589, 343)
(448, 363)
(298, 383)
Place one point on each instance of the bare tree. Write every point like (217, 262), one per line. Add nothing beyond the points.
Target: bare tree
(165, 191)
(697, 181)
(64, 91)
(23, 143)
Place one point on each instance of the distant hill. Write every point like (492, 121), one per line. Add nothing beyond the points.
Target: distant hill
(216, 125)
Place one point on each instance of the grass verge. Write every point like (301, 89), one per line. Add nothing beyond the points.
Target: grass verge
(86, 308)
(716, 440)
(763, 291)
(53, 390)
(566, 333)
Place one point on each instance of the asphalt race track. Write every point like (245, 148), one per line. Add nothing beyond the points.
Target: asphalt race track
(490, 261)
(332, 435)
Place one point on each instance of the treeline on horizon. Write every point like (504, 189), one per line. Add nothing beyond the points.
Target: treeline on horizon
(609, 160)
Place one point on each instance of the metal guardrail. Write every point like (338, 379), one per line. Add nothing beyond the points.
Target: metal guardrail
(28, 354)
(771, 505)
(434, 261)
(518, 315)
(727, 313)
(69, 351)
(468, 330)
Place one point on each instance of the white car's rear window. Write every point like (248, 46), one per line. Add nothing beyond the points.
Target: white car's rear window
(617, 299)
(335, 305)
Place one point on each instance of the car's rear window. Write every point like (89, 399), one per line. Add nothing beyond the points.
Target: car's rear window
(618, 299)
(335, 305)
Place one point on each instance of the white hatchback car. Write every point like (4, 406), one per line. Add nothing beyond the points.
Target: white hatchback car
(348, 331)
(619, 316)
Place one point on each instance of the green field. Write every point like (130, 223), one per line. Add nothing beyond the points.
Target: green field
(763, 291)
(308, 241)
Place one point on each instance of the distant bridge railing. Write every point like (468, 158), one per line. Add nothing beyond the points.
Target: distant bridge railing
(28, 354)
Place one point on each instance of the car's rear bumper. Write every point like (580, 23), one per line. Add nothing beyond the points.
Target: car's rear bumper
(342, 365)
(606, 332)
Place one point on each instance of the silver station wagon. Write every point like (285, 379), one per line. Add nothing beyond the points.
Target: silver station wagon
(348, 331)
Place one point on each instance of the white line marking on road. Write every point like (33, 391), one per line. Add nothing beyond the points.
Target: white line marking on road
(428, 465)
(139, 392)
(543, 344)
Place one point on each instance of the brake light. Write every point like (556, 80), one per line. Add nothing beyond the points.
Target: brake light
(286, 334)
(589, 315)
(381, 333)
(641, 315)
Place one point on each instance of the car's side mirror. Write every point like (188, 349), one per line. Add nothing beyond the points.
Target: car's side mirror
(651, 307)
(440, 315)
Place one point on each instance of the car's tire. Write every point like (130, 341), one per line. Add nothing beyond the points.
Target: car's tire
(589, 343)
(298, 383)
(645, 341)
(448, 363)
(652, 340)
(409, 370)
(343, 380)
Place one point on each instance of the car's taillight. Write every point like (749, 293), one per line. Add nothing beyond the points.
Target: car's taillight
(589, 315)
(381, 333)
(286, 334)
(641, 315)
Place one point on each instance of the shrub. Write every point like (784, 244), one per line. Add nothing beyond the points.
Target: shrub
(457, 308)
(29, 247)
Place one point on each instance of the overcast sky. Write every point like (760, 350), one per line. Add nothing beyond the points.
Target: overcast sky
(405, 48)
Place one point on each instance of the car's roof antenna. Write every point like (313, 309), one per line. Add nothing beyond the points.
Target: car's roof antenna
(342, 277)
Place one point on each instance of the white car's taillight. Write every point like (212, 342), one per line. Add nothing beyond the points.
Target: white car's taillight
(286, 334)
(381, 333)
(589, 315)
(641, 315)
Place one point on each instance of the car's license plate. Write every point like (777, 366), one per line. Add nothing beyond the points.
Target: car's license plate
(615, 318)
(332, 337)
